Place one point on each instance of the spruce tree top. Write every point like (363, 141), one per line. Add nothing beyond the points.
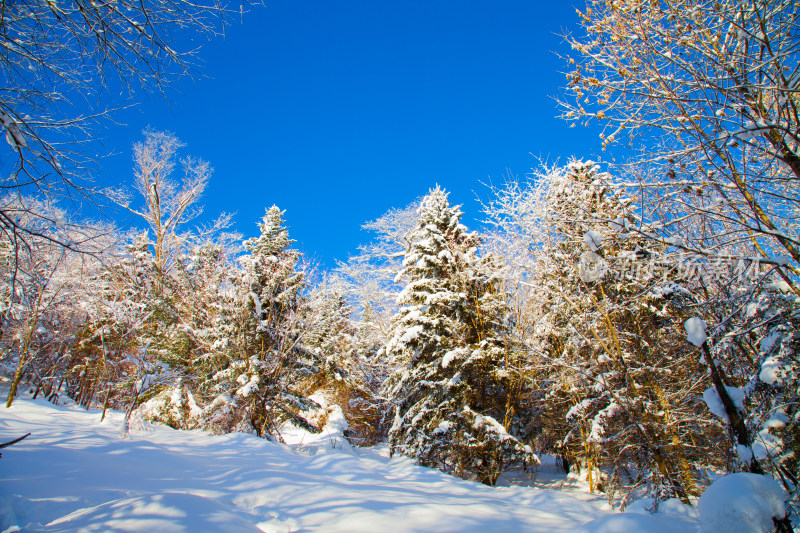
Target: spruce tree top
(274, 237)
(437, 235)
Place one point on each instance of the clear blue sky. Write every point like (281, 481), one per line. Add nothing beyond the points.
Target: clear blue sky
(338, 111)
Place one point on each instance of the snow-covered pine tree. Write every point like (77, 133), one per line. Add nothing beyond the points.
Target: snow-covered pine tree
(140, 316)
(455, 391)
(619, 349)
(259, 385)
(205, 311)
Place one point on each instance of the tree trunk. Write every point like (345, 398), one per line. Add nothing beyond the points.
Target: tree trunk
(735, 421)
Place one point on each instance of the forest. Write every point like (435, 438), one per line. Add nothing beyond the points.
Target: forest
(640, 321)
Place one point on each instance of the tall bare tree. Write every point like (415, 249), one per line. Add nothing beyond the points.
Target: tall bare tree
(709, 91)
(169, 204)
(61, 61)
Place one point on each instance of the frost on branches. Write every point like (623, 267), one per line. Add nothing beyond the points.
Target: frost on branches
(602, 322)
(349, 374)
(707, 92)
(457, 401)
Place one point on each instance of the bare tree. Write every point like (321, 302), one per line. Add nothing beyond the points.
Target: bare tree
(43, 289)
(169, 204)
(59, 58)
(710, 90)
(369, 276)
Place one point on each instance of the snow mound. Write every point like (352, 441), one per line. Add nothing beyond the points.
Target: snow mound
(672, 509)
(742, 502)
(714, 402)
(695, 331)
(331, 436)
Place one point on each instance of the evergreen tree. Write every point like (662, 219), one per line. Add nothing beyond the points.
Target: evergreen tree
(204, 309)
(142, 316)
(457, 404)
(272, 275)
(260, 385)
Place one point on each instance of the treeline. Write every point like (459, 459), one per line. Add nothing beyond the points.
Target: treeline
(572, 327)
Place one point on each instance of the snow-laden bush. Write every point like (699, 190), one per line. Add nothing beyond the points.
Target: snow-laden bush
(173, 406)
(742, 502)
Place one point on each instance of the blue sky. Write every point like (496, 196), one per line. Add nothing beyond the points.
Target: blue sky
(337, 112)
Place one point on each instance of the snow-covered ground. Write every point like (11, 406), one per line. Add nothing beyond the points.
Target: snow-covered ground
(75, 473)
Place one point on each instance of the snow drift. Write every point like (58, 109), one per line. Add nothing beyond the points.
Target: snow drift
(76, 473)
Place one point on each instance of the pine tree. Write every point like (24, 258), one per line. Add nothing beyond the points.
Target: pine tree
(140, 315)
(456, 402)
(259, 385)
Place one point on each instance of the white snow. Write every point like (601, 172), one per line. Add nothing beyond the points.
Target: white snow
(672, 515)
(714, 402)
(593, 239)
(76, 474)
(766, 444)
(450, 356)
(627, 523)
(778, 286)
(443, 427)
(769, 342)
(411, 334)
(248, 387)
(742, 502)
(695, 331)
(745, 453)
(331, 436)
(592, 267)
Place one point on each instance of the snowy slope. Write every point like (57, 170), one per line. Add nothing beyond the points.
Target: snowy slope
(77, 474)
